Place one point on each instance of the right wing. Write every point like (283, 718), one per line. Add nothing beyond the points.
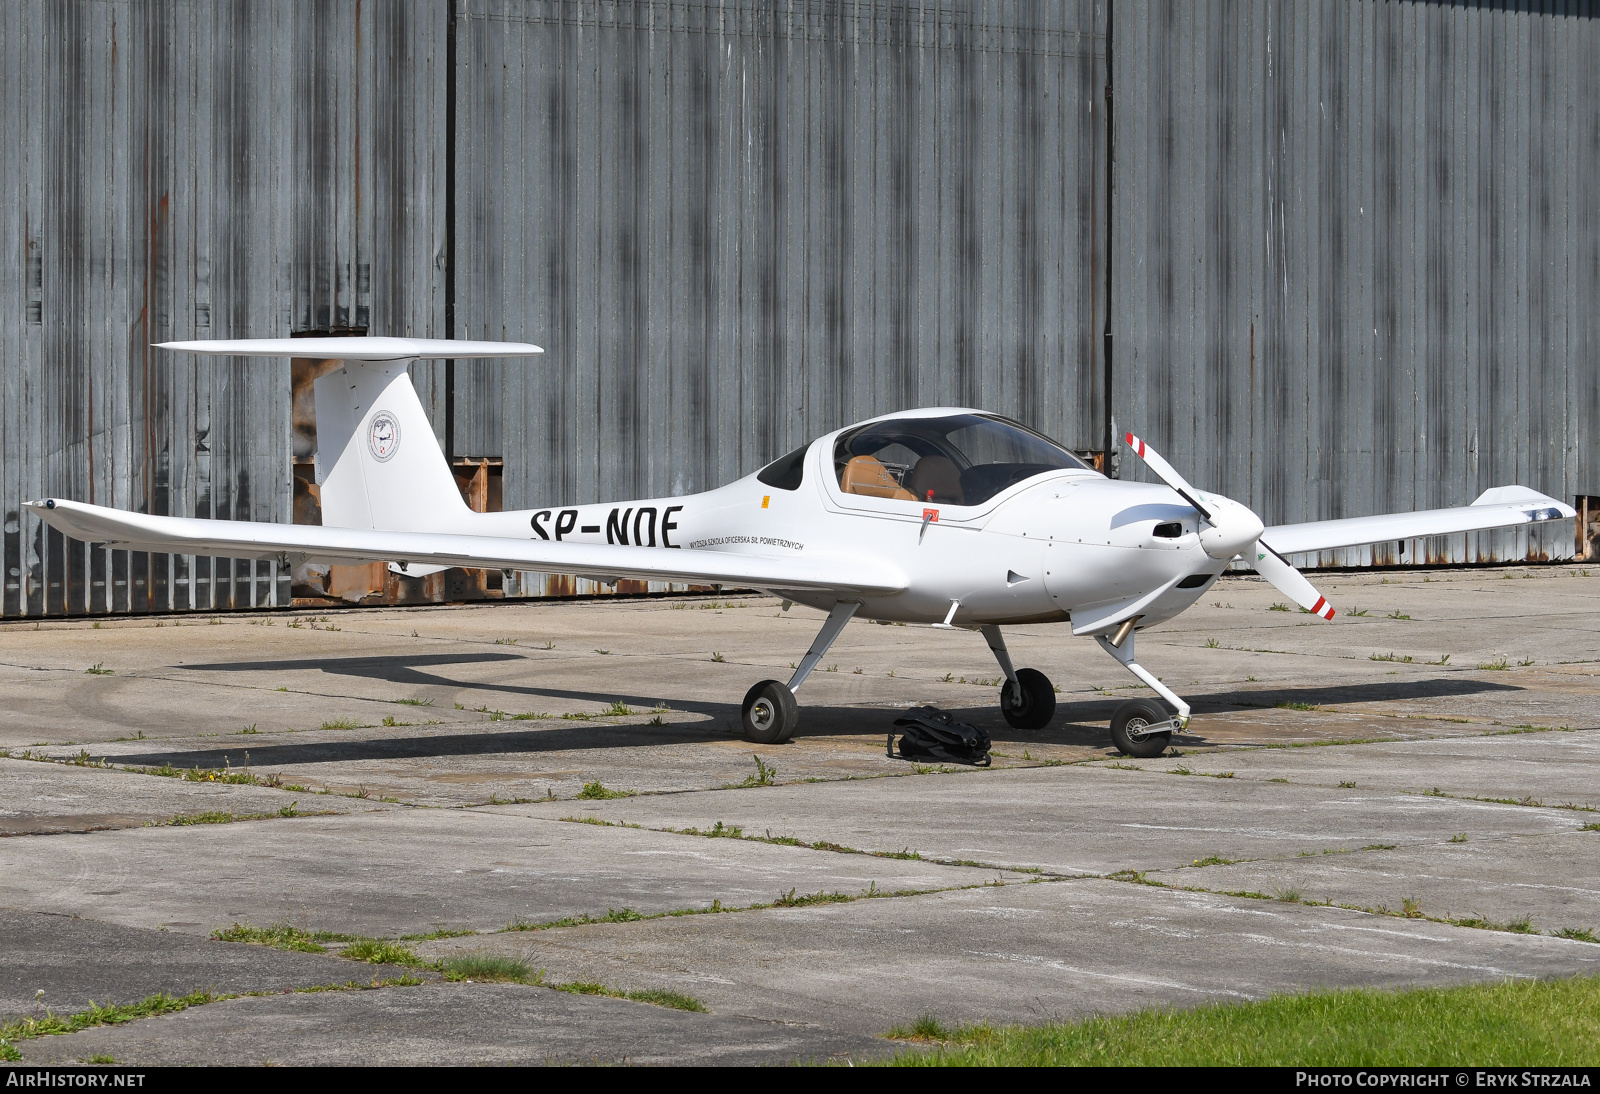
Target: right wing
(252, 539)
(1502, 507)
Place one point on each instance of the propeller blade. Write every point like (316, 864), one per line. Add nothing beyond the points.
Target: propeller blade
(1167, 473)
(1287, 580)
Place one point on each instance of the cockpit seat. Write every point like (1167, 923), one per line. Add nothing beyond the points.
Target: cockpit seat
(935, 478)
(865, 475)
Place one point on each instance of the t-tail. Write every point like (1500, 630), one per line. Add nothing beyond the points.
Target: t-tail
(378, 462)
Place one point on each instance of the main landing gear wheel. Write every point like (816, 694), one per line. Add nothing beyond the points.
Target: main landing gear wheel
(1131, 729)
(1030, 705)
(770, 714)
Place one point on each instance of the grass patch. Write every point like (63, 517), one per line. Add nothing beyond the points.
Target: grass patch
(1404, 659)
(1515, 1023)
(490, 968)
(657, 996)
(379, 951)
(1495, 666)
(1577, 934)
(280, 936)
(202, 818)
(1516, 926)
(613, 915)
(341, 723)
(789, 900)
(594, 791)
(148, 1007)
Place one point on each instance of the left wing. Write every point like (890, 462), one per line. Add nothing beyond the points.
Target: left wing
(253, 539)
(1501, 507)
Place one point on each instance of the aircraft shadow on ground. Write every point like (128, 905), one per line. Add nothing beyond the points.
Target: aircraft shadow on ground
(1079, 723)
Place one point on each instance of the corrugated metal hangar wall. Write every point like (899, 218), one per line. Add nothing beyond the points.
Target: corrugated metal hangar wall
(1353, 245)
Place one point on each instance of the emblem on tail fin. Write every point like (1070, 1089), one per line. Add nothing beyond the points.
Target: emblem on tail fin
(383, 436)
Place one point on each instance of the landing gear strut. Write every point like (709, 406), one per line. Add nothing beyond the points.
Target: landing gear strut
(770, 715)
(1140, 727)
(1027, 698)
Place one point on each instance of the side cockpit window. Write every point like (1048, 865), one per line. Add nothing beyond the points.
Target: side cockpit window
(787, 473)
(960, 459)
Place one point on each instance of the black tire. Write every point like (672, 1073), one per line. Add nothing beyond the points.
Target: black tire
(769, 715)
(1133, 716)
(1033, 704)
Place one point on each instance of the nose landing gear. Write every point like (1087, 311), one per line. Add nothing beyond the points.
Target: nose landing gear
(1140, 727)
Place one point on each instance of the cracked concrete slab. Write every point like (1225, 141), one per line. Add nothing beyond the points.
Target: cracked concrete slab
(451, 1024)
(74, 962)
(1553, 880)
(1077, 819)
(42, 798)
(415, 871)
(1552, 768)
(1038, 952)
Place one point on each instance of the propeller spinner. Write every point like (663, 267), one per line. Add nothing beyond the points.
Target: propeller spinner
(1234, 530)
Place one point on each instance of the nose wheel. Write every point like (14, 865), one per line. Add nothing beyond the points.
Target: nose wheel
(1141, 728)
(1029, 700)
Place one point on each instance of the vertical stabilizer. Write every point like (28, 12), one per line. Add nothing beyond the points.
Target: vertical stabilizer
(378, 462)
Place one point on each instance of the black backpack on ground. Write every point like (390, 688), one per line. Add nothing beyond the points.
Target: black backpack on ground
(928, 733)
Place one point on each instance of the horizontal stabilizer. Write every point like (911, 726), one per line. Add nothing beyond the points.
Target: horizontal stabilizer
(354, 349)
(1501, 507)
(251, 539)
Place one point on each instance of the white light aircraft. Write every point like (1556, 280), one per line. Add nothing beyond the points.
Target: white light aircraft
(952, 517)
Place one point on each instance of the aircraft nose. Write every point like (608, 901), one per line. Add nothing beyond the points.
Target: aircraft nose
(1231, 529)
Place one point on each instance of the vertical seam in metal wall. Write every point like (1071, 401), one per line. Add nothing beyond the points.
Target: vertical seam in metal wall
(450, 229)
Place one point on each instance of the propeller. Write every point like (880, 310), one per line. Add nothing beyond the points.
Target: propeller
(1235, 530)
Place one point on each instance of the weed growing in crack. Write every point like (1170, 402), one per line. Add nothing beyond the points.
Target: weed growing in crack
(594, 791)
(766, 774)
(280, 936)
(378, 951)
(202, 818)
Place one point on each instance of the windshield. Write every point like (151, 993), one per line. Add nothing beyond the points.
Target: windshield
(962, 459)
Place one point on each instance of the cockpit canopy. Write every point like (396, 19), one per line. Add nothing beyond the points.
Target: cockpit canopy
(958, 459)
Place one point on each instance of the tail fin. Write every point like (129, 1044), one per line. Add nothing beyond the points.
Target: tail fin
(378, 463)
